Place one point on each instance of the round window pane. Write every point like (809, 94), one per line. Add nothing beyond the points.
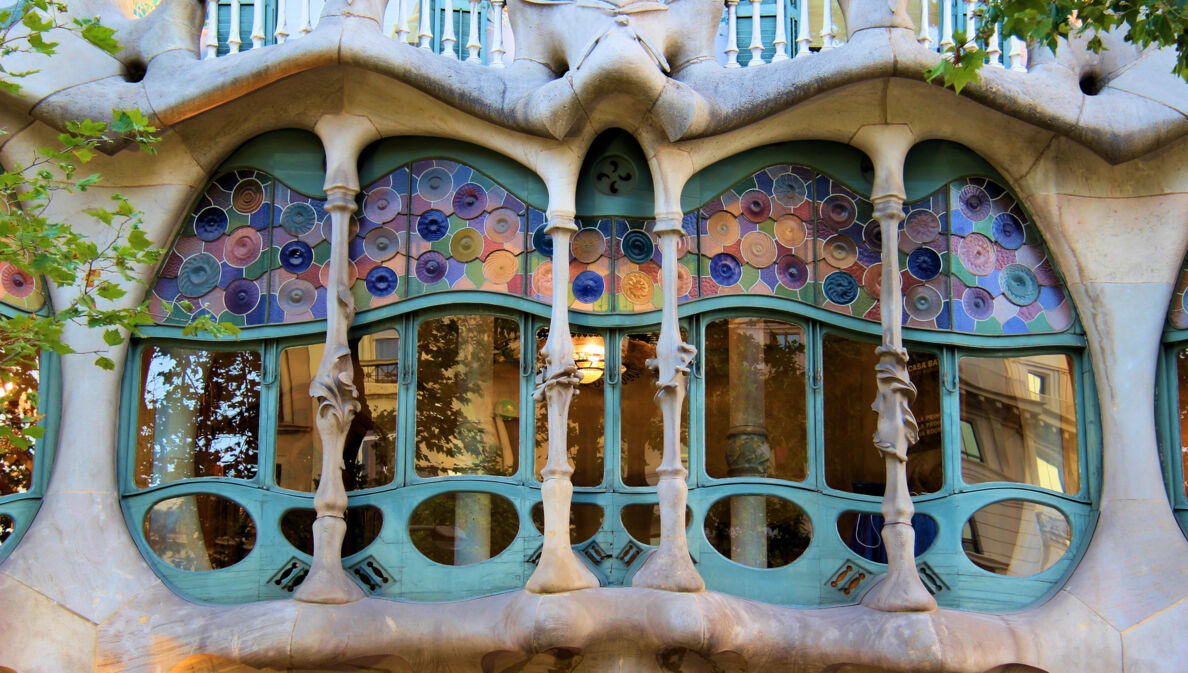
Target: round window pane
(760, 531)
(584, 520)
(863, 534)
(643, 522)
(463, 527)
(199, 532)
(1016, 538)
(363, 526)
(6, 526)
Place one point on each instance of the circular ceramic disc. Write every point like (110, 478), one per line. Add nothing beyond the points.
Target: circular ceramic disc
(542, 279)
(198, 275)
(299, 218)
(242, 247)
(838, 211)
(977, 254)
(638, 246)
(789, 190)
(433, 225)
(790, 231)
(466, 245)
(872, 280)
(924, 263)
(923, 302)
(381, 244)
(1019, 284)
(16, 282)
(500, 267)
(724, 269)
(296, 256)
(840, 288)
(872, 236)
(381, 281)
(382, 205)
(435, 184)
(684, 281)
(922, 226)
(248, 196)
(758, 249)
(431, 267)
(638, 288)
(723, 227)
(210, 223)
(840, 251)
(241, 296)
(792, 272)
(542, 242)
(755, 205)
(588, 287)
(469, 201)
(587, 245)
(502, 225)
(978, 303)
(682, 245)
(975, 203)
(324, 274)
(296, 296)
(1008, 231)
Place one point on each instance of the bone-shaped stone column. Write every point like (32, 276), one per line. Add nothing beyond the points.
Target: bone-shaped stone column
(670, 567)
(559, 568)
(333, 386)
(901, 589)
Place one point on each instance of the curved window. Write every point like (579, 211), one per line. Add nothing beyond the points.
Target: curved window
(1172, 401)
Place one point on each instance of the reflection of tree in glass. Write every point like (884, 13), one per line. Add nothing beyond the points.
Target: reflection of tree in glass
(585, 436)
(199, 532)
(375, 464)
(199, 415)
(432, 529)
(789, 530)
(17, 414)
(459, 358)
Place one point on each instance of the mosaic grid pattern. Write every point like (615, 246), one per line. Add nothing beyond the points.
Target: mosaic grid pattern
(379, 250)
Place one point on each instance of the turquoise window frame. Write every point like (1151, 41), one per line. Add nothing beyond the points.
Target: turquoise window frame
(1167, 414)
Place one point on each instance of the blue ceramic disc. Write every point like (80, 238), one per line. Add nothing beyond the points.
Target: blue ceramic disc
(241, 296)
(198, 275)
(789, 190)
(1008, 231)
(978, 303)
(724, 269)
(588, 287)
(296, 256)
(433, 225)
(431, 267)
(542, 242)
(923, 303)
(210, 223)
(299, 218)
(638, 246)
(1019, 284)
(840, 288)
(382, 281)
(924, 263)
(792, 272)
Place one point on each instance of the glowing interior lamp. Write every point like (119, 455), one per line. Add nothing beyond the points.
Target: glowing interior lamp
(590, 357)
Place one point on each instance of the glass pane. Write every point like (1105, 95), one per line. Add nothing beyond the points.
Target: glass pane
(760, 531)
(851, 461)
(863, 534)
(363, 526)
(1182, 378)
(584, 520)
(199, 415)
(6, 526)
(1016, 538)
(586, 439)
(18, 408)
(468, 396)
(199, 532)
(1022, 422)
(463, 527)
(755, 399)
(641, 425)
(642, 522)
(369, 455)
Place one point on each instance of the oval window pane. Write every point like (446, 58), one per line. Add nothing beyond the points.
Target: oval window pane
(584, 520)
(1016, 538)
(863, 534)
(6, 526)
(363, 527)
(18, 412)
(463, 527)
(642, 522)
(760, 531)
(199, 532)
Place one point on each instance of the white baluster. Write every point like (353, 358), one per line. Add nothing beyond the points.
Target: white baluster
(402, 21)
(305, 24)
(994, 51)
(281, 34)
(257, 23)
(946, 24)
(781, 36)
(391, 15)
(971, 26)
(212, 28)
(425, 30)
(472, 43)
(1018, 54)
(827, 26)
(925, 21)
(448, 39)
(496, 60)
(731, 33)
(756, 34)
(804, 34)
(233, 40)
